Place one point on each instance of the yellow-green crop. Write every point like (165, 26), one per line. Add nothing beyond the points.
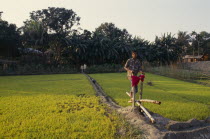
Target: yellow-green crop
(53, 106)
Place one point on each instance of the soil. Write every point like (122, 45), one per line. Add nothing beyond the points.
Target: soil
(163, 128)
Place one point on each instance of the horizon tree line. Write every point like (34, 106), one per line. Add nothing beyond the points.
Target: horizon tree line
(56, 34)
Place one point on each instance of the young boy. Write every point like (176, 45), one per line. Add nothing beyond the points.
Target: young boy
(133, 67)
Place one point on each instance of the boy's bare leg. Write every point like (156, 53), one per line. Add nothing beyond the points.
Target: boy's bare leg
(131, 97)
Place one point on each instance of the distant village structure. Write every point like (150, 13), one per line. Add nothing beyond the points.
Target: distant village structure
(6, 63)
(191, 58)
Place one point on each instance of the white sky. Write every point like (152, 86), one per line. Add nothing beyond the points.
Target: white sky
(144, 18)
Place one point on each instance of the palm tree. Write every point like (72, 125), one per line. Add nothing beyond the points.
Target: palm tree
(197, 40)
(183, 42)
(167, 48)
(35, 35)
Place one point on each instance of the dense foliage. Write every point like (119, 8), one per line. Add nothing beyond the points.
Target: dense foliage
(9, 39)
(56, 35)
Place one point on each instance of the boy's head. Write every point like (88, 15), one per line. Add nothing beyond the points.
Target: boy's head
(134, 54)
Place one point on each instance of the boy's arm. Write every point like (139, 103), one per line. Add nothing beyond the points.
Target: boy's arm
(126, 66)
(128, 69)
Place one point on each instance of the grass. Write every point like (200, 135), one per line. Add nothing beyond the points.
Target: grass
(207, 82)
(178, 72)
(181, 100)
(55, 106)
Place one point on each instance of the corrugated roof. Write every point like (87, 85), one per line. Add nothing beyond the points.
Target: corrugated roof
(191, 56)
(7, 61)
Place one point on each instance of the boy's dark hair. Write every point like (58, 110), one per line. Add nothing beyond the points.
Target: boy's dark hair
(134, 51)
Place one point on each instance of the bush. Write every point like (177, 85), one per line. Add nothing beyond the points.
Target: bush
(27, 69)
(177, 72)
(105, 68)
(30, 69)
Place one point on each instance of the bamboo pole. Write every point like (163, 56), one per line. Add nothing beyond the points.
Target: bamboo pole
(150, 101)
(141, 90)
(146, 112)
(133, 97)
(128, 94)
(143, 109)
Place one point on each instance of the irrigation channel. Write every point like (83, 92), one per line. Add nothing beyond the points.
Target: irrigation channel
(162, 128)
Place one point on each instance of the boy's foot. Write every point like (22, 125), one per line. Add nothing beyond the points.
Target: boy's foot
(130, 101)
(128, 94)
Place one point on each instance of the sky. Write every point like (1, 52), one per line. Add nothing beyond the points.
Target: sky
(143, 18)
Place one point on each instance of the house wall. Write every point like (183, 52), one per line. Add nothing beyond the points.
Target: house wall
(206, 58)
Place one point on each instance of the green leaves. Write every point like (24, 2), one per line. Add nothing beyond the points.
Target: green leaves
(57, 29)
(59, 20)
(9, 39)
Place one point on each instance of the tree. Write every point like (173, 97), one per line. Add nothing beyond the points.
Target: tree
(9, 39)
(79, 47)
(205, 42)
(111, 44)
(56, 20)
(198, 41)
(59, 24)
(0, 15)
(35, 35)
(142, 47)
(167, 49)
(183, 42)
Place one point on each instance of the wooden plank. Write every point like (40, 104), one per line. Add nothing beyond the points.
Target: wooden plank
(146, 112)
(150, 101)
(128, 94)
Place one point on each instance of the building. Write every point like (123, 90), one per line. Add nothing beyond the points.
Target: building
(191, 58)
(6, 63)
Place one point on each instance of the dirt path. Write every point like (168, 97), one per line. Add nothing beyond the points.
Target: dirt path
(163, 128)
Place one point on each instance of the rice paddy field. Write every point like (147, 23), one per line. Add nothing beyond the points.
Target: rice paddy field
(55, 106)
(181, 100)
(207, 82)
